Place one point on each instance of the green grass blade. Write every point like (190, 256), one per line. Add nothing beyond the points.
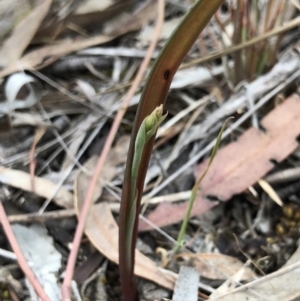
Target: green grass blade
(196, 187)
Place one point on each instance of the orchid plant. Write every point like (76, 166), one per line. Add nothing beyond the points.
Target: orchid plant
(154, 95)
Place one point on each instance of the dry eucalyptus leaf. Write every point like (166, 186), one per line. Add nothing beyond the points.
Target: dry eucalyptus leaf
(46, 55)
(14, 46)
(102, 231)
(44, 188)
(240, 164)
(230, 282)
(278, 286)
(217, 266)
(45, 261)
(101, 227)
(11, 13)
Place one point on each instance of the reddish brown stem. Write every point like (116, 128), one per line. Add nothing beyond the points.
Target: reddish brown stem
(154, 94)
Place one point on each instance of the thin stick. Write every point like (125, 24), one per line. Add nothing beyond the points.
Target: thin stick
(36, 217)
(66, 294)
(289, 25)
(32, 164)
(218, 54)
(20, 257)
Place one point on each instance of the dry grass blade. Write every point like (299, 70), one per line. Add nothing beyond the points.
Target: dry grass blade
(270, 192)
(14, 46)
(37, 59)
(44, 188)
(289, 25)
(42, 57)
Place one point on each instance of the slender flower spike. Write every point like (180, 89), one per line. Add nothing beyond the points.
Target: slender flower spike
(154, 94)
(147, 129)
(153, 121)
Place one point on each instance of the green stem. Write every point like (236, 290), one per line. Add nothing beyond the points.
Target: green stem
(146, 131)
(185, 220)
(195, 189)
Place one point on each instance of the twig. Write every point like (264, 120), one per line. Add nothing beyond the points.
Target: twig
(20, 257)
(66, 296)
(36, 217)
(283, 176)
(289, 25)
(160, 231)
(218, 54)
(8, 254)
(38, 135)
